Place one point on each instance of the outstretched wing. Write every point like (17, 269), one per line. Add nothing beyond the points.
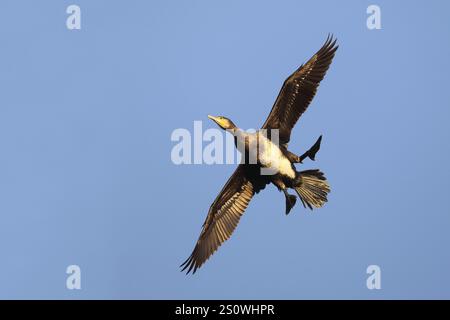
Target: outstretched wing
(223, 216)
(298, 90)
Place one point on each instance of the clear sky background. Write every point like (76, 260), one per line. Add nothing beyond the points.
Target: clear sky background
(86, 176)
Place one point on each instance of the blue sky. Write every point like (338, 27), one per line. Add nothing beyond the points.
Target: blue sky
(86, 176)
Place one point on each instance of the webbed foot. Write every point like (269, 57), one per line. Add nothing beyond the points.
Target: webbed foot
(290, 201)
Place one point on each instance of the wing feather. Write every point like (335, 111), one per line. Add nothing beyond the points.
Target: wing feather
(223, 217)
(298, 91)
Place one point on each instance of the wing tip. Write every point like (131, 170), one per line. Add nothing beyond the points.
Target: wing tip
(189, 264)
(331, 43)
(329, 48)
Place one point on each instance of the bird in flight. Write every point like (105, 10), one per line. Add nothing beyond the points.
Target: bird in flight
(249, 178)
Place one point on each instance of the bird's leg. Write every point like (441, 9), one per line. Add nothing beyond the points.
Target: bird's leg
(290, 201)
(311, 153)
(292, 157)
(290, 198)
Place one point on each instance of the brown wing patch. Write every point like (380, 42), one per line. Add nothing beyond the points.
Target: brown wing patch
(298, 91)
(223, 217)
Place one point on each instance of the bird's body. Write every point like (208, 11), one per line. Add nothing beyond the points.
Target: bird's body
(266, 159)
(267, 154)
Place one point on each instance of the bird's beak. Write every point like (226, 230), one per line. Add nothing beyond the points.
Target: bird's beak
(215, 119)
(221, 122)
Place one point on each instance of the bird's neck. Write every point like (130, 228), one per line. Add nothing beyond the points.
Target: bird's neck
(237, 132)
(233, 130)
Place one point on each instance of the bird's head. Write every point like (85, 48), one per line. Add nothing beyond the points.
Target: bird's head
(223, 122)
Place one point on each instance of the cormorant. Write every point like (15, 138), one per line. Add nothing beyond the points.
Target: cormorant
(311, 186)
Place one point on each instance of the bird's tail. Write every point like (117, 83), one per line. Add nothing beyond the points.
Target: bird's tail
(312, 188)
